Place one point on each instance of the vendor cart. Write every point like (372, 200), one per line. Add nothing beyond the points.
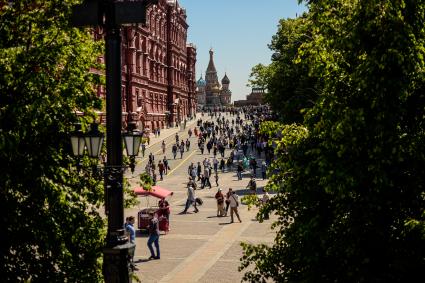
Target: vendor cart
(145, 215)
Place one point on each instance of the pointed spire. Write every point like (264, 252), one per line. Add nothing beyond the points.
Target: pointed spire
(211, 67)
(225, 79)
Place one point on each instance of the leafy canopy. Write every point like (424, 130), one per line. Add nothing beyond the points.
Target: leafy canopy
(52, 231)
(350, 183)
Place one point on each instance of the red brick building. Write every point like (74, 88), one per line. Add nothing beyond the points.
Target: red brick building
(158, 68)
(254, 98)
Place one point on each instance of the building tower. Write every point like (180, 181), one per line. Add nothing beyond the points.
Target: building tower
(212, 88)
(226, 94)
(200, 91)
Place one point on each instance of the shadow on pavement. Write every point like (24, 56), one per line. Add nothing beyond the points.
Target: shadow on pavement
(142, 260)
(142, 234)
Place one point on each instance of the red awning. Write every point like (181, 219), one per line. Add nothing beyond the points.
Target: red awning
(156, 191)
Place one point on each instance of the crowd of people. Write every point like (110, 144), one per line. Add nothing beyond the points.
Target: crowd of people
(239, 136)
(231, 143)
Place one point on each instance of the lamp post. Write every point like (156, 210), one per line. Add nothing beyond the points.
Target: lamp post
(111, 15)
(132, 140)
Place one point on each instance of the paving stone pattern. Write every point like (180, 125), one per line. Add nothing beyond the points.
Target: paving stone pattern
(200, 246)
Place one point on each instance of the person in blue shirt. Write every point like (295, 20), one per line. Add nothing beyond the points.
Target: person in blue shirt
(131, 232)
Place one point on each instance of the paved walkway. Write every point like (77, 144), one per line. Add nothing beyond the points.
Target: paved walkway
(200, 246)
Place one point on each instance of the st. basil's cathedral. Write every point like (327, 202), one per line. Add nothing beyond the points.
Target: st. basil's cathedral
(209, 93)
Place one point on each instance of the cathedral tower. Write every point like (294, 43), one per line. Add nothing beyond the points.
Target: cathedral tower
(212, 87)
(226, 94)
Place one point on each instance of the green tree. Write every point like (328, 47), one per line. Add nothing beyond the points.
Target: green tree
(51, 228)
(351, 180)
(291, 88)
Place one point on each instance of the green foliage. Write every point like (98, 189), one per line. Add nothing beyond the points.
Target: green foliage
(250, 201)
(52, 231)
(130, 197)
(146, 181)
(350, 181)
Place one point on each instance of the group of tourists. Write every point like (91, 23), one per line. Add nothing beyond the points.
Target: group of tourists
(239, 136)
(233, 144)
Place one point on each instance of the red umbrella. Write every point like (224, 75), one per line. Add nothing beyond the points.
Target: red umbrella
(156, 191)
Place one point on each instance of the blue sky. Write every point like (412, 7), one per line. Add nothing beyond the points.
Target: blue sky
(238, 31)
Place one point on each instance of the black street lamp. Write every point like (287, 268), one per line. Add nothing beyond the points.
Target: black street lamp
(94, 141)
(132, 140)
(77, 141)
(111, 14)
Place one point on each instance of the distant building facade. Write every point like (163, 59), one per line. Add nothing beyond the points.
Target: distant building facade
(158, 68)
(209, 92)
(256, 97)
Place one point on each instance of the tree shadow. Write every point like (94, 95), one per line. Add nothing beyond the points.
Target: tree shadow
(142, 260)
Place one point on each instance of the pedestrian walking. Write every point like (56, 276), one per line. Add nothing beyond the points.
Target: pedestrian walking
(174, 150)
(207, 175)
(202, 181)
(234, 204)
(222, 165)
(239, 170)
(228, 194)
(143, 149)
(193, 173)
(220, 203)
(166, 166)
(154, 236)
(181, 151)
(215, 164)
(154, 178)
(161, 169)
(254, 166)
(163, 147)
(151, 158)
(209, 146)
(192, 183)
(187, 144)
(216, 179)
(199, 171)
(191, 200)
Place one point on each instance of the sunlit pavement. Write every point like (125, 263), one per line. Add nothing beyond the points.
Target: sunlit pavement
(200, 247)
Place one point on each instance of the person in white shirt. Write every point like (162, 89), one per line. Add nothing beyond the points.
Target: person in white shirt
(191, 200)
(234, 203)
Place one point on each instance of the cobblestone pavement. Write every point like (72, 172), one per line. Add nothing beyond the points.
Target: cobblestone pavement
(200, 247)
